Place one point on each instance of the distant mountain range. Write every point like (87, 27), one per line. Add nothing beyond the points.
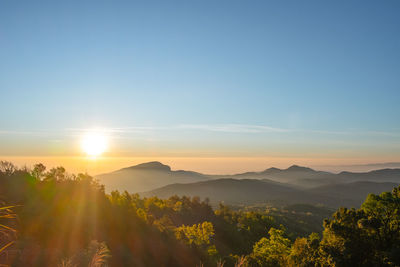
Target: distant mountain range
(359, 167)
(295, 184)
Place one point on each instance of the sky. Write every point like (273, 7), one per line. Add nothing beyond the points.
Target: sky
(229, 84)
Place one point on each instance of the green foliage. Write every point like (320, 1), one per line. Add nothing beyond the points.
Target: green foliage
(304, 251)
(237, 231)
(300, 219)
(38, 171)
(272, 251)
(60, 214)
(368, 236)
(198, 235)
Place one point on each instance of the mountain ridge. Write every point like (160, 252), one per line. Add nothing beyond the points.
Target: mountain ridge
(149, 176)
(254, 192)
(146, 176)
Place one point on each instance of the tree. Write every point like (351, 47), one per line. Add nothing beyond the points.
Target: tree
(7, 168)
(38, 171)
(199, 235)
(272, 251)
(368, 236)
(56, 174)
(304, 251)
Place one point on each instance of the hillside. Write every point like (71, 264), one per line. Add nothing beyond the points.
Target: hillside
(253, 192)
(354, 193)
(239, 192)
(295, 175)
(308, 178)
(146, 176)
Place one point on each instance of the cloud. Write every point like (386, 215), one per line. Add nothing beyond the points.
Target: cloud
(232, 128)
(352, 133)
(221, 128)
(28, 133)
(133, 129)
(227, 128)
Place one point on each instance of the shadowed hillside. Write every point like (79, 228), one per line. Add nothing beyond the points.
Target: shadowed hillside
(232, 191)
(253, 192)
(352, 194)
(243, 192)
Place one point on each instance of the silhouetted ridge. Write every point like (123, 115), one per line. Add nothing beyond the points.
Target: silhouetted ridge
(299, 168)
(147, 176)
(235, 191)
(154, 165)
(152, 175)
(271, 170)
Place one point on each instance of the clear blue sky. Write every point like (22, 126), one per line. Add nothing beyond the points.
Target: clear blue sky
(321, 74)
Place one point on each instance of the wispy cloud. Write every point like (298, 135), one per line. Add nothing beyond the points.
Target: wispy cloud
(122, 130)
(28, 133)
(221, 128)
(350, 132)
(226, 128)
(233, 128)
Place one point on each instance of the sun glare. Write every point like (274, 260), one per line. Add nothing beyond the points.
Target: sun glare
(94, 144)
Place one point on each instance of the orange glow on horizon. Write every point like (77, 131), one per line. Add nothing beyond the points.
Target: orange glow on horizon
(207, 165)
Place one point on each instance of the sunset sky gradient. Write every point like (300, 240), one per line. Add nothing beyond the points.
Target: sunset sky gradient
(214, 86)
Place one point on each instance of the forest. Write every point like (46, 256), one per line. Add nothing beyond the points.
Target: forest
(53, 218)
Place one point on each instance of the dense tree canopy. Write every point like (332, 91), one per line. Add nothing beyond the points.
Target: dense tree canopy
(52, 218)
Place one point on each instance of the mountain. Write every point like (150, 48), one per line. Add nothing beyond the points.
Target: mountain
(294, 175)
(152, 166)
(384, 175)
(354, 193)
(237, 191)
(147, 176)
(378, 176)
(305, 177)
(253, 192)
(295, 184)
(359, 167)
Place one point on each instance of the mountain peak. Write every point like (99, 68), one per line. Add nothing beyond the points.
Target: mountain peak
(299, 168)
(272, 170)
(153, 165)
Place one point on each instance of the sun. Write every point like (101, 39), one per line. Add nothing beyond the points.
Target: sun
(94, 143)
